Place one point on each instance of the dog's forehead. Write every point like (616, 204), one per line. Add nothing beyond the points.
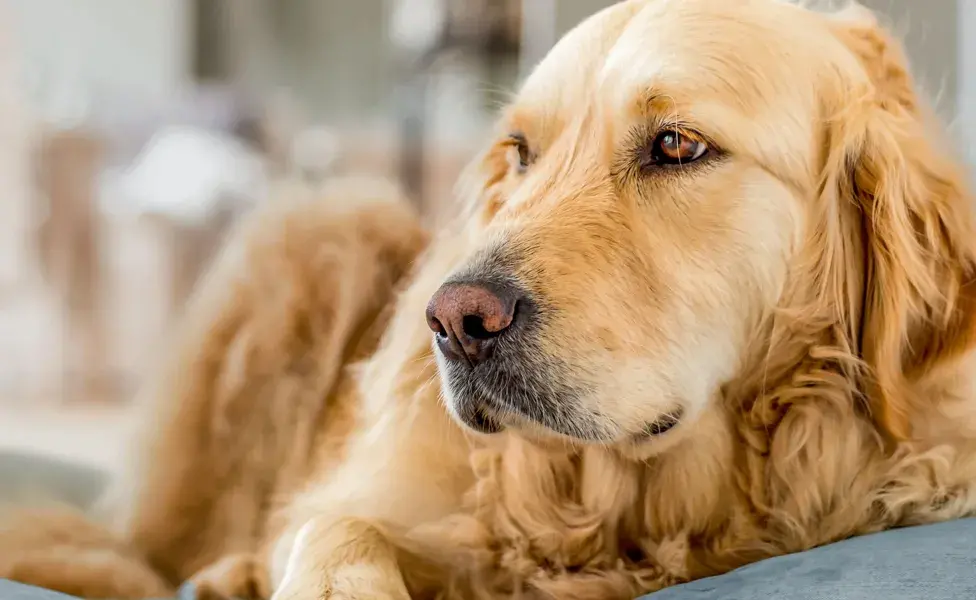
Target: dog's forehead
(568, 72)
(662, 41)
(706, 46)
(701, 47)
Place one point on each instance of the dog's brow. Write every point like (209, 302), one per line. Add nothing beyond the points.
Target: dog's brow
(634, 83)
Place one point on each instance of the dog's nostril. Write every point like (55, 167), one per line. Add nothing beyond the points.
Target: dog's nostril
(474, 326)
(436, 326)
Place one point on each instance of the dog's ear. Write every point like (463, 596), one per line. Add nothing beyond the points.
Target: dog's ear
(909, 210)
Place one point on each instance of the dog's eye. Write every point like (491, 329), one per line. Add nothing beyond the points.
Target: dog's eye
(672, 147)
(522, 155)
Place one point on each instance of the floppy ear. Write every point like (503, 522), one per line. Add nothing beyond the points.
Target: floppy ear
(888, 169)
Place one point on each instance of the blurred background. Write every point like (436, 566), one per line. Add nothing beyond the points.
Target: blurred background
(133, 132)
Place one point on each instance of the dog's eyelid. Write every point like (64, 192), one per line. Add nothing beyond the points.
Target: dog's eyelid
(518, 141)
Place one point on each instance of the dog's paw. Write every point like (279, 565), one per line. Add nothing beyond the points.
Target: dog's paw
(238, 576)
(351, 582)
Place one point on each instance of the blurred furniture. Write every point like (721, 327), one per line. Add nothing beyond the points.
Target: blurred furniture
(107, 272)
(487, 30)
(68, 251)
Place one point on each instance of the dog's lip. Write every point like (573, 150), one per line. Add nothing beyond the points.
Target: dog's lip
(482, 422)
(481, 419)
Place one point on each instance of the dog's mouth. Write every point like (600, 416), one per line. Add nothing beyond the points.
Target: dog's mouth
(484, 420)
(489, 401)
(661, 425)
(481, 421)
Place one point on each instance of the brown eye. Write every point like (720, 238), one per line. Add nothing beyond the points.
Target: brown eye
(522, 152)
(674, 148)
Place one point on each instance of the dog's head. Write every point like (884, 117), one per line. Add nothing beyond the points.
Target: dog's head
(680, 191)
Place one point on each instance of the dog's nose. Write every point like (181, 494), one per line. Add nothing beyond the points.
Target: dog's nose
(468, 317)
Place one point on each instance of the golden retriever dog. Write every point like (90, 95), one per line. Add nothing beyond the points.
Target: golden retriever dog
(711, 300)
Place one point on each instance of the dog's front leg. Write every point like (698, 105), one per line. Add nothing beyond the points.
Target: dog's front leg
(347, 559)
(410, 468)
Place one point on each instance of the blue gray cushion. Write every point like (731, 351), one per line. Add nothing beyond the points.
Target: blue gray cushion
(26, 477)
(15, 591)
(936, 562)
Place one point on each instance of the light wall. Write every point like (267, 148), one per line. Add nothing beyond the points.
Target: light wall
(137, 46)
(931, 33)
(966, 45)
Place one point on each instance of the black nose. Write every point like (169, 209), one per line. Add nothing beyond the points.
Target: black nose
(469, 317)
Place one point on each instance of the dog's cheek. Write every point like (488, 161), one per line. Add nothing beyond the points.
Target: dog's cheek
(491, 204)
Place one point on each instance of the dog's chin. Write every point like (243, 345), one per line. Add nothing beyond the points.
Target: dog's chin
(519, 413)
(535, 397)
(521, 392)
(487, 417)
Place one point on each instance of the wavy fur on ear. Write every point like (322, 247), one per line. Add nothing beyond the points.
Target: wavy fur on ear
(912, 200)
